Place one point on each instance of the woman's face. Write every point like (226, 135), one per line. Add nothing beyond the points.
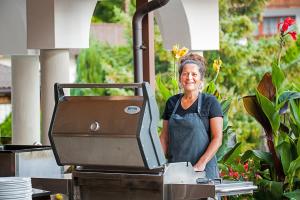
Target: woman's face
(190, 77)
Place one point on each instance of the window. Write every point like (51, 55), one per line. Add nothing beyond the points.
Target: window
(269, 25)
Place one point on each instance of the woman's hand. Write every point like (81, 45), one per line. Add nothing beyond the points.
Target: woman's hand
(199, 167)
(216, 125)
(164, 136)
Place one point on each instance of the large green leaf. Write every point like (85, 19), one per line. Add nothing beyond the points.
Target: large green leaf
(295, 129)
(298, 146)
(210, 88)
(162, 89)
(270, 111)
(261, 155)
(295, 112)
(266, 87)
(294, 166)
(254, 109)
(277, 76)
(288, 95)
(225, 104)
(269, 190)
(232, 154)
(284, 149)
(175, 86)
(225, 147)
(294, 195)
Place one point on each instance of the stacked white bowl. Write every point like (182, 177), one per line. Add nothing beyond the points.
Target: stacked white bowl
(16, 188)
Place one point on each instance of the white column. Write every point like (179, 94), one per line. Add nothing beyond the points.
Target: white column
(25, 100)
(55, 64)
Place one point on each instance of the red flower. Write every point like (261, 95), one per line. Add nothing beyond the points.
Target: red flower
(289, 21)
(293, 34)
(286, 24)
(284, 27)
(222, 174)
(246, 166)
(235, 175)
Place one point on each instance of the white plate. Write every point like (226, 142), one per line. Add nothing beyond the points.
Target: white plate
(14, 180)
(15, 188)
(15, 183)
(10, 196)
(26, 191)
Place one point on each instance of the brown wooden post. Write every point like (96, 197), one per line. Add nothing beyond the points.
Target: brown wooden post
(148, 42)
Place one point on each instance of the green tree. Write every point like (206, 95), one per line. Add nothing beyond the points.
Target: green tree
(102, 63)
(111, 11)
(5, 128)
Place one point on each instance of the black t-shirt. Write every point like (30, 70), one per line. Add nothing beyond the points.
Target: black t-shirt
(210, 108)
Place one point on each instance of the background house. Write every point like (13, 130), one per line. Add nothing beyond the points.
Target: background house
(275, 12)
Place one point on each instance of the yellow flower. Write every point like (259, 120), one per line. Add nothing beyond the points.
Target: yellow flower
(175, 49)
(177, 52)
(217, 64)
(58, 196)
(183, 51)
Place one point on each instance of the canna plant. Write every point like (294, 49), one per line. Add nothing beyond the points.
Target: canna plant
(211, 88)
(276, 106)
(168, 85)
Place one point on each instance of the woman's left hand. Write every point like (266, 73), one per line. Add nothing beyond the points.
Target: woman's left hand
(199, 167)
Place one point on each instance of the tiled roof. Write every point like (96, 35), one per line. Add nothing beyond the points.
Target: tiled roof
(283, 4)
(5, 79)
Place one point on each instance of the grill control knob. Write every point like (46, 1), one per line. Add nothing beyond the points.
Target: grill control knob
(95, 126)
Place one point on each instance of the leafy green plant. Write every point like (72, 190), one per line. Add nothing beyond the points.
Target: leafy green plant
(275, 106)
(102, 63)
(167, 83)
(6, 130)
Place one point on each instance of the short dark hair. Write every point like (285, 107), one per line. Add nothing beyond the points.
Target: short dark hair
(195, 59)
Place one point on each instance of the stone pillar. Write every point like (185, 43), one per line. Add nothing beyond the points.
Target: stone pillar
(55, 65)
(25, 100)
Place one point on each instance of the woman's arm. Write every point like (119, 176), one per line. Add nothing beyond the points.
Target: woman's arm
(164, 136)
(216, 125)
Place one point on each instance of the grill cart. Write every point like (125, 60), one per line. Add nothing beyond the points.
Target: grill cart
(113, 142)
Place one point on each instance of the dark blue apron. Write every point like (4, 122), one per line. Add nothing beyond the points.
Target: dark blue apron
(188, 139)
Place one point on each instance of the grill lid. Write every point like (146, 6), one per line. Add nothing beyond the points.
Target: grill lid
(114, 131)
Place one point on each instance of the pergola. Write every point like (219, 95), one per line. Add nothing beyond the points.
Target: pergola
(38, 35)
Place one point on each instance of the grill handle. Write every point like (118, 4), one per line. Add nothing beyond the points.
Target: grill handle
(59, 92)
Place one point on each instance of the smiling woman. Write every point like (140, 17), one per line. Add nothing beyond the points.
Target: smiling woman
(192, 121)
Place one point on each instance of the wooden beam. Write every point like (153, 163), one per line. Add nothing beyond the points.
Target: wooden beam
(148, 42)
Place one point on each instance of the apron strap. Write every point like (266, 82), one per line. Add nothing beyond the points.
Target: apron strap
(177, 104)
(200, 96)
(198, 106)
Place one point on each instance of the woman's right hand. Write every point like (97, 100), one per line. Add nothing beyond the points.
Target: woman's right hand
(199, 167)
(164, 136)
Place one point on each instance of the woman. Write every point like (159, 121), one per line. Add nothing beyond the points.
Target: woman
(193, 121)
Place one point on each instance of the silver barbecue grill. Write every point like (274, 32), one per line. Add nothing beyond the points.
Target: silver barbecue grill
(113, 142)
